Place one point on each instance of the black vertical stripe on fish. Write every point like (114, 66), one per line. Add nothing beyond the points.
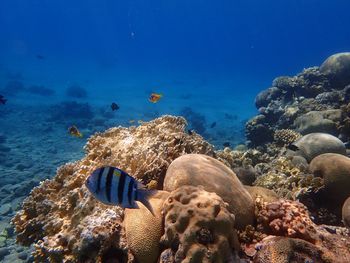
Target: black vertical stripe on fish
(121, 186)
(109, 183)
(130, 187)
(99, 180)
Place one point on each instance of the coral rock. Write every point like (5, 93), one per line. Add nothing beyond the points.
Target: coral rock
(337, 67)
(335, 171)
(214, 176)
(346, 213)
(198, 227)
(266, 194)
(314, 144)
(62, 217)
(284, 249)
(287, 218)
(286, 136)
(318, 121)
(146, 151)
(143, 230)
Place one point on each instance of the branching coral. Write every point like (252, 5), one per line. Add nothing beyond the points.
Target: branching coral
(287, 180)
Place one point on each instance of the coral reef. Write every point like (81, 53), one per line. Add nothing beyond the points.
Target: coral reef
(287, 180)
(266, 194)
(303, 102)
(346, 212)
(337, 68)
(195, 120)
(283, 249)
(13, 87)
(286, 136)
(146, 151)
(198, 227)
(40, 90)
(311, 145)
(287, 218)
(71, 111)
(335, 171)
(214, 176)
(75, 91)
(143, 230)
(291, 219)
(64, 221)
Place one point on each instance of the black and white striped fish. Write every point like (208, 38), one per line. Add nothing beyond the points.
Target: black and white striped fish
(113, 186)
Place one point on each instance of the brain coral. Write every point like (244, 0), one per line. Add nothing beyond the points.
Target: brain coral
(198, 226)
(62, 218)
(214, 176)
(335, 171)
(143, 230)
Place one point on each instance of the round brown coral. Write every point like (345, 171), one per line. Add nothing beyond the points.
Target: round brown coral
(198, 226)
(144, 230)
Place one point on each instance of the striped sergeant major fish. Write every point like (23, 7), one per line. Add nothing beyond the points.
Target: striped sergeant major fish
(113, 186)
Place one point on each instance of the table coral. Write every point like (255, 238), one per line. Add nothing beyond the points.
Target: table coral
(67, 224)
(198, 227)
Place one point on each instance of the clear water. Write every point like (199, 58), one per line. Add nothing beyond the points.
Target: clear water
(211, 57)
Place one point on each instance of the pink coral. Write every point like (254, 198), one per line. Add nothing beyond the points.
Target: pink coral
(287, 218)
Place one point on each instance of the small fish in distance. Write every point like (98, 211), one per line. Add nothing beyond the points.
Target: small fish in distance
(155, 97)
(2, 100)
(226, 144)
(114, 106)
(41, 57)
(73, 130)
(213, 124)
(113, 186)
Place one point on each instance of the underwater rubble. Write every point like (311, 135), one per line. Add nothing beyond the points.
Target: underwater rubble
(284, 198)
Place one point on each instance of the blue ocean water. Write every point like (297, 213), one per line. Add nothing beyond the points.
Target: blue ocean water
(209, 59)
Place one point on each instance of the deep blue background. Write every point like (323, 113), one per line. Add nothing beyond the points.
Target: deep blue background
(244, 41)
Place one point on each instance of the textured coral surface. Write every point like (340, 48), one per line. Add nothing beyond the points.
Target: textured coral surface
(198, 226)
(63, 219)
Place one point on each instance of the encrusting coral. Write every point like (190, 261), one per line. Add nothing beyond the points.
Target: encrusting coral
(67, 224)
(287, 218)
(198, 227)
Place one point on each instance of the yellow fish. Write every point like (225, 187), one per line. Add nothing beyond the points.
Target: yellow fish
(73, 130)
(131, 121)
(155, 97)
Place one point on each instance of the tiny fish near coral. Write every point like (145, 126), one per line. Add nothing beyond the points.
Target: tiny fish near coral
(113, 186)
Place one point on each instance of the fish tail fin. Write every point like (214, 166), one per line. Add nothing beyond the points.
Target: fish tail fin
(143, 197)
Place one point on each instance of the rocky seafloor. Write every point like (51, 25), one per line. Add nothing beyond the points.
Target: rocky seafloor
(282, 197)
